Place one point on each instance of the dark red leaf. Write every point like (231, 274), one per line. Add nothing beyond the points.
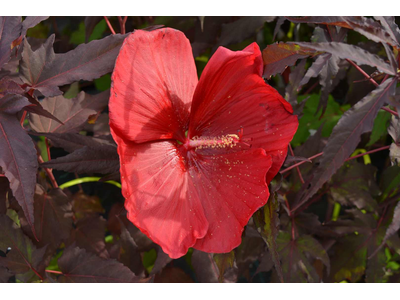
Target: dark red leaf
(394, 225)
(161, 261)
(278, 25)
(89, 235)
(346, 136)
(338, 21)
(354, 53)
(267, 222)
(248, 253)
(277, 57)
(226, 264)
(89, 154)
(81, 267)
(4, 275)
(391, 27)
(45, 70)
(53, 216)
(73, 113)
(296, 265)
(22, 256)
(10, 29)
(30, 22)
(366, 26)
(90, 24)
(85, 206)
(8, 86)
(295, 77)
(18, 158)
(130, 255)
(354, 185)
(204, 266)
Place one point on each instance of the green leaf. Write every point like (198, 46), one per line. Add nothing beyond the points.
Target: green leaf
(379, 130)
(78, 36)
(103, 83)
(310, 121)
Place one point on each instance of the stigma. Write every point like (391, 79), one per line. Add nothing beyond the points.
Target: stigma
(207, 142)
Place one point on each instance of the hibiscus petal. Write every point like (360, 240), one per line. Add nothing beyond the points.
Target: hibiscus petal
(231, 95)
(161, 199)
(231, 188)
(152, 86)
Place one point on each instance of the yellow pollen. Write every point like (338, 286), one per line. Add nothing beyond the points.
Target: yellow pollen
(220, 142)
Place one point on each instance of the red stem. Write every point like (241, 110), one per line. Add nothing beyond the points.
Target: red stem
(54, 272)
(297, 168)
(109, 25)
(363, 72)
(391, 111)
(122, 24)
(300, 163)
(368, 152)
(48, 148)
(49, 173)
(319, 154)
(311, 88)
(23, 118)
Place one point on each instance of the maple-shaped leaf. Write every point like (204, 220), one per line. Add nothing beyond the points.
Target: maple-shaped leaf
(161, 261)
(354, 53)
(390, 26)
(45, 71)
(89, 234)
(226, 263)
(30, 22)
(9, 86)
(296, 265)
(4, 274)
(90, 24)
(366, 26)
(73, 113)
(291, 91)
(22, 258)
(277, 57)
(10, 29)
(354, 184)
(331, 20)
(79, 266)
(394, 131)
(211, 268)
(88, 154)
(204, 266)
(346, 136)
(248, 254)
(18, 158)
(356, 253)
(129, 253)
(85, 206)
(53, 218)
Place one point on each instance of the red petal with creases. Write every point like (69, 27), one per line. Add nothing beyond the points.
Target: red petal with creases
(231, 95)
(161, 198)
(152, 86)
(231, 188)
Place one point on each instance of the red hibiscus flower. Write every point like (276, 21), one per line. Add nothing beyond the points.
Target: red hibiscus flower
(196, 155)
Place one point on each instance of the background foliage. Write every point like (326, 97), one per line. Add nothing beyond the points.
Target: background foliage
(333, 214)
